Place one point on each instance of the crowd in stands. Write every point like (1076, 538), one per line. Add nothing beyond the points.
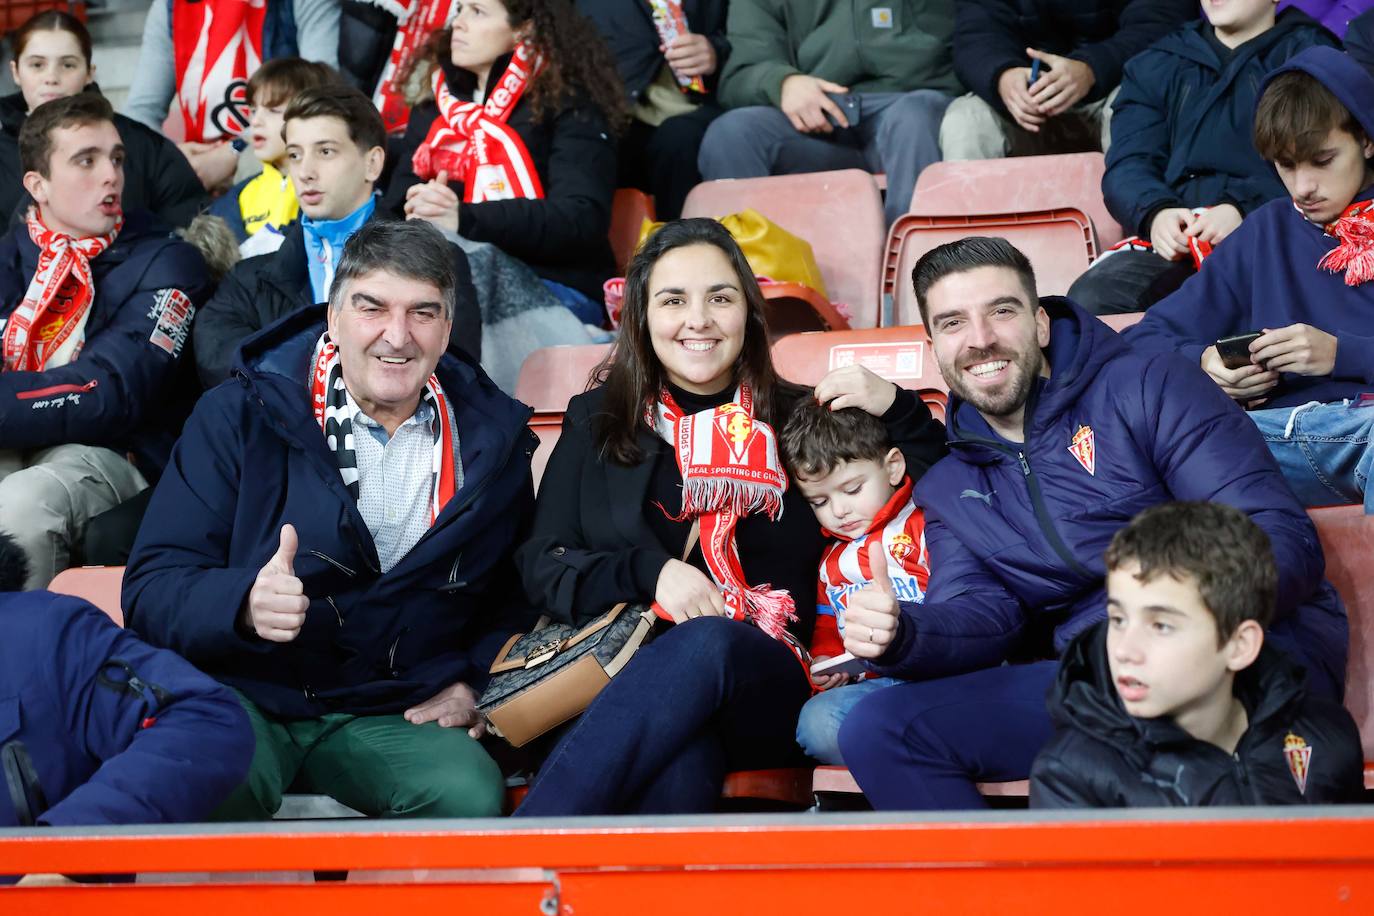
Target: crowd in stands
(277, 388)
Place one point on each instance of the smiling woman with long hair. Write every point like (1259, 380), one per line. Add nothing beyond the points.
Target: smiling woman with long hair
(713, 692)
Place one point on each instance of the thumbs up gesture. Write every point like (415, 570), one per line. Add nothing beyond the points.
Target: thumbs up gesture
(870, 620)
(276, 603)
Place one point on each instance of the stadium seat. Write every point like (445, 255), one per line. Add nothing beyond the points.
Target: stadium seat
(1059, 244)
(15, 13)
(839, 213)
(788, 787)
(1019, 185)
(840, 781)
(899, 354)
(547, 425)
(629, 209)
(100, 585)
(550, 376)
(1347, 537)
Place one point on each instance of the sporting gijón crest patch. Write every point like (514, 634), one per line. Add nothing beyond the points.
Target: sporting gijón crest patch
(1298, 754)
(1084, 448)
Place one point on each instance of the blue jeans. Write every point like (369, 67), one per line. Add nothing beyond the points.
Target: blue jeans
(925, 745)
(576, 301)
(818, 729)
(1323, 451)
(706, 697)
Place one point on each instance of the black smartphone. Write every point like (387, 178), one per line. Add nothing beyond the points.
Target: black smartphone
(1235, 351)
(848, 102)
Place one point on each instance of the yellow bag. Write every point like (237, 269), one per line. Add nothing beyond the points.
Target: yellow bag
(771, 250)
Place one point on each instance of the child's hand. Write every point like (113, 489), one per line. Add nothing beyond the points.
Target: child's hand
(855, 386)
(827, 681)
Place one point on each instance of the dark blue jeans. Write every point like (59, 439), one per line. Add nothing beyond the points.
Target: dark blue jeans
(924, 745)
(706, 697)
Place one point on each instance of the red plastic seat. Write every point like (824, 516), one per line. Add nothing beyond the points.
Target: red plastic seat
(100, 585)
(898, 354)
(1019, 185)
(550, 376)
(839, 213)
(629, 209)
(840, 781)
(547, 425)
(1059, 244)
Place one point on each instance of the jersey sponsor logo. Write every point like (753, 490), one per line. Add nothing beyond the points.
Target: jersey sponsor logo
(1298, 754)
(171, 316)
(1084, 449)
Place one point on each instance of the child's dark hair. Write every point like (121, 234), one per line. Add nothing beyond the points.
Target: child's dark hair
(816, 439)
(278, 80)
(1295, 115)
(1224, 553)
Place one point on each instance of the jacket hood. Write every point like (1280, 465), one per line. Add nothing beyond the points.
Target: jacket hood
(1191, 41)
(1080, 346)
(1084, 698)
(1338, 72)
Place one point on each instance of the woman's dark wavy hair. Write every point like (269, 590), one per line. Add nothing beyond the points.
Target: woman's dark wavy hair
(576, 61)
(632, 375)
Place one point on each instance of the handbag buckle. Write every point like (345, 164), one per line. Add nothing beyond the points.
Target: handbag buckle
(541, 653)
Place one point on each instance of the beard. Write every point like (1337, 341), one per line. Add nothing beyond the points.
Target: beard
(1008, 397)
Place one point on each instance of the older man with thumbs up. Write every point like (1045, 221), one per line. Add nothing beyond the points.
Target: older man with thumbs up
(333, 541)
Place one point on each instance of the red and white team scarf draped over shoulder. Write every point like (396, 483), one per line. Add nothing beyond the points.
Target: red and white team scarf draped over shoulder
(1354, 229)
(474, 144)
(48, 328)
(730, 469)
(329, 398)
(216, 46)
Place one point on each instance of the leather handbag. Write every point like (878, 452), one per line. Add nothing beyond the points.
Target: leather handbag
(549, 675)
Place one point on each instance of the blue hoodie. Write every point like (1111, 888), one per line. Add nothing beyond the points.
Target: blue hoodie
(1265, 274)
(1016, 533)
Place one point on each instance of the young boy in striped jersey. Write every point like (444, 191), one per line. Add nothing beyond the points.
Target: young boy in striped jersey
(856, 482)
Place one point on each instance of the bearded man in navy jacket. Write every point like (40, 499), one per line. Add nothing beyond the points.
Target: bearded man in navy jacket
(1059, 434)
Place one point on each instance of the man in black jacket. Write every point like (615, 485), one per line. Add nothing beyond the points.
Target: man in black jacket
(335, 151)
(1040, 73)
(1175, 700)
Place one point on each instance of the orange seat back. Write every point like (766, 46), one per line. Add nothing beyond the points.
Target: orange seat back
(100, 585)
(550, 376)
(547, 425)
(900, 354)
(629, 209)
(1347, 537)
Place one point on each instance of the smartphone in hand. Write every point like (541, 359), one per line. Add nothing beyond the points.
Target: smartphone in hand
(1235, 351)
(848, 102)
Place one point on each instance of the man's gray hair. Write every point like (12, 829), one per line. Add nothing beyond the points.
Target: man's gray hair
(407, 248)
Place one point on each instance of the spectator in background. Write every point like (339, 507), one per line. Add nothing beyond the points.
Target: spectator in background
(1300, 272)
(801, 70)
(1076, 51)
(658, 153)
(333, 539)
(267, 200)
(1183, 170)
(514, 158)
(1336, 15)
(97, 305)
(201, 53)
(334, 146)
(51, 58)
(1059, 435)
(1359, 40)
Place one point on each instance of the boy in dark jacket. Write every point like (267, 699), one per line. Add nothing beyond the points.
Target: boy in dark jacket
(335, 148)
(1175, 700)
(1183, 168)
(96, 306)
(1040, 73)
(1298, 274)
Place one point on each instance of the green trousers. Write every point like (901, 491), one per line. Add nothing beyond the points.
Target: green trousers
(382, 766)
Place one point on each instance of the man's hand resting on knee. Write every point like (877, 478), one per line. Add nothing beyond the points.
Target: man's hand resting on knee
(806, 104)
(452, 707)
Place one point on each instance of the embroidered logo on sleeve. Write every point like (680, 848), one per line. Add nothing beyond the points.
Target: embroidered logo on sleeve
(1084, 449)
(1299, 756)
(882, 17)
(171, 316)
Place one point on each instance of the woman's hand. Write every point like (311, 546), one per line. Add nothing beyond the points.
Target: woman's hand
(855, 386)
(684, 591)
(434, 202)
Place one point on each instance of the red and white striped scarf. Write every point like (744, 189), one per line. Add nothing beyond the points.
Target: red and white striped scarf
(216, 47)
(329, 397)
(416, 20)
(730, 469)
(1354, 229)
(474, 144)
(49, 327)
(1198, 250)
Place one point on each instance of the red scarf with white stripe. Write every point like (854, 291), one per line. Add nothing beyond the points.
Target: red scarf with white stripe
(329, 397)
(416, 20)
(730, 469)
(52, 317)
(216, 47)
(1354, 229)
(474, 144)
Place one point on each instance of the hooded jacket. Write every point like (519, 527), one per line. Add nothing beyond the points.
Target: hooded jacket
(130, 388)
(157, 176)
(1101, 757)
(1016, 533)
(252, 459)
(1266, 276)
(1182, 122)
(118, 732)
(261, 290)
(991, 36)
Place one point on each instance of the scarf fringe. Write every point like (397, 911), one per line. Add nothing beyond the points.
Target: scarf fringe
(1355, 255)
(740, 498)
(771, 609)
